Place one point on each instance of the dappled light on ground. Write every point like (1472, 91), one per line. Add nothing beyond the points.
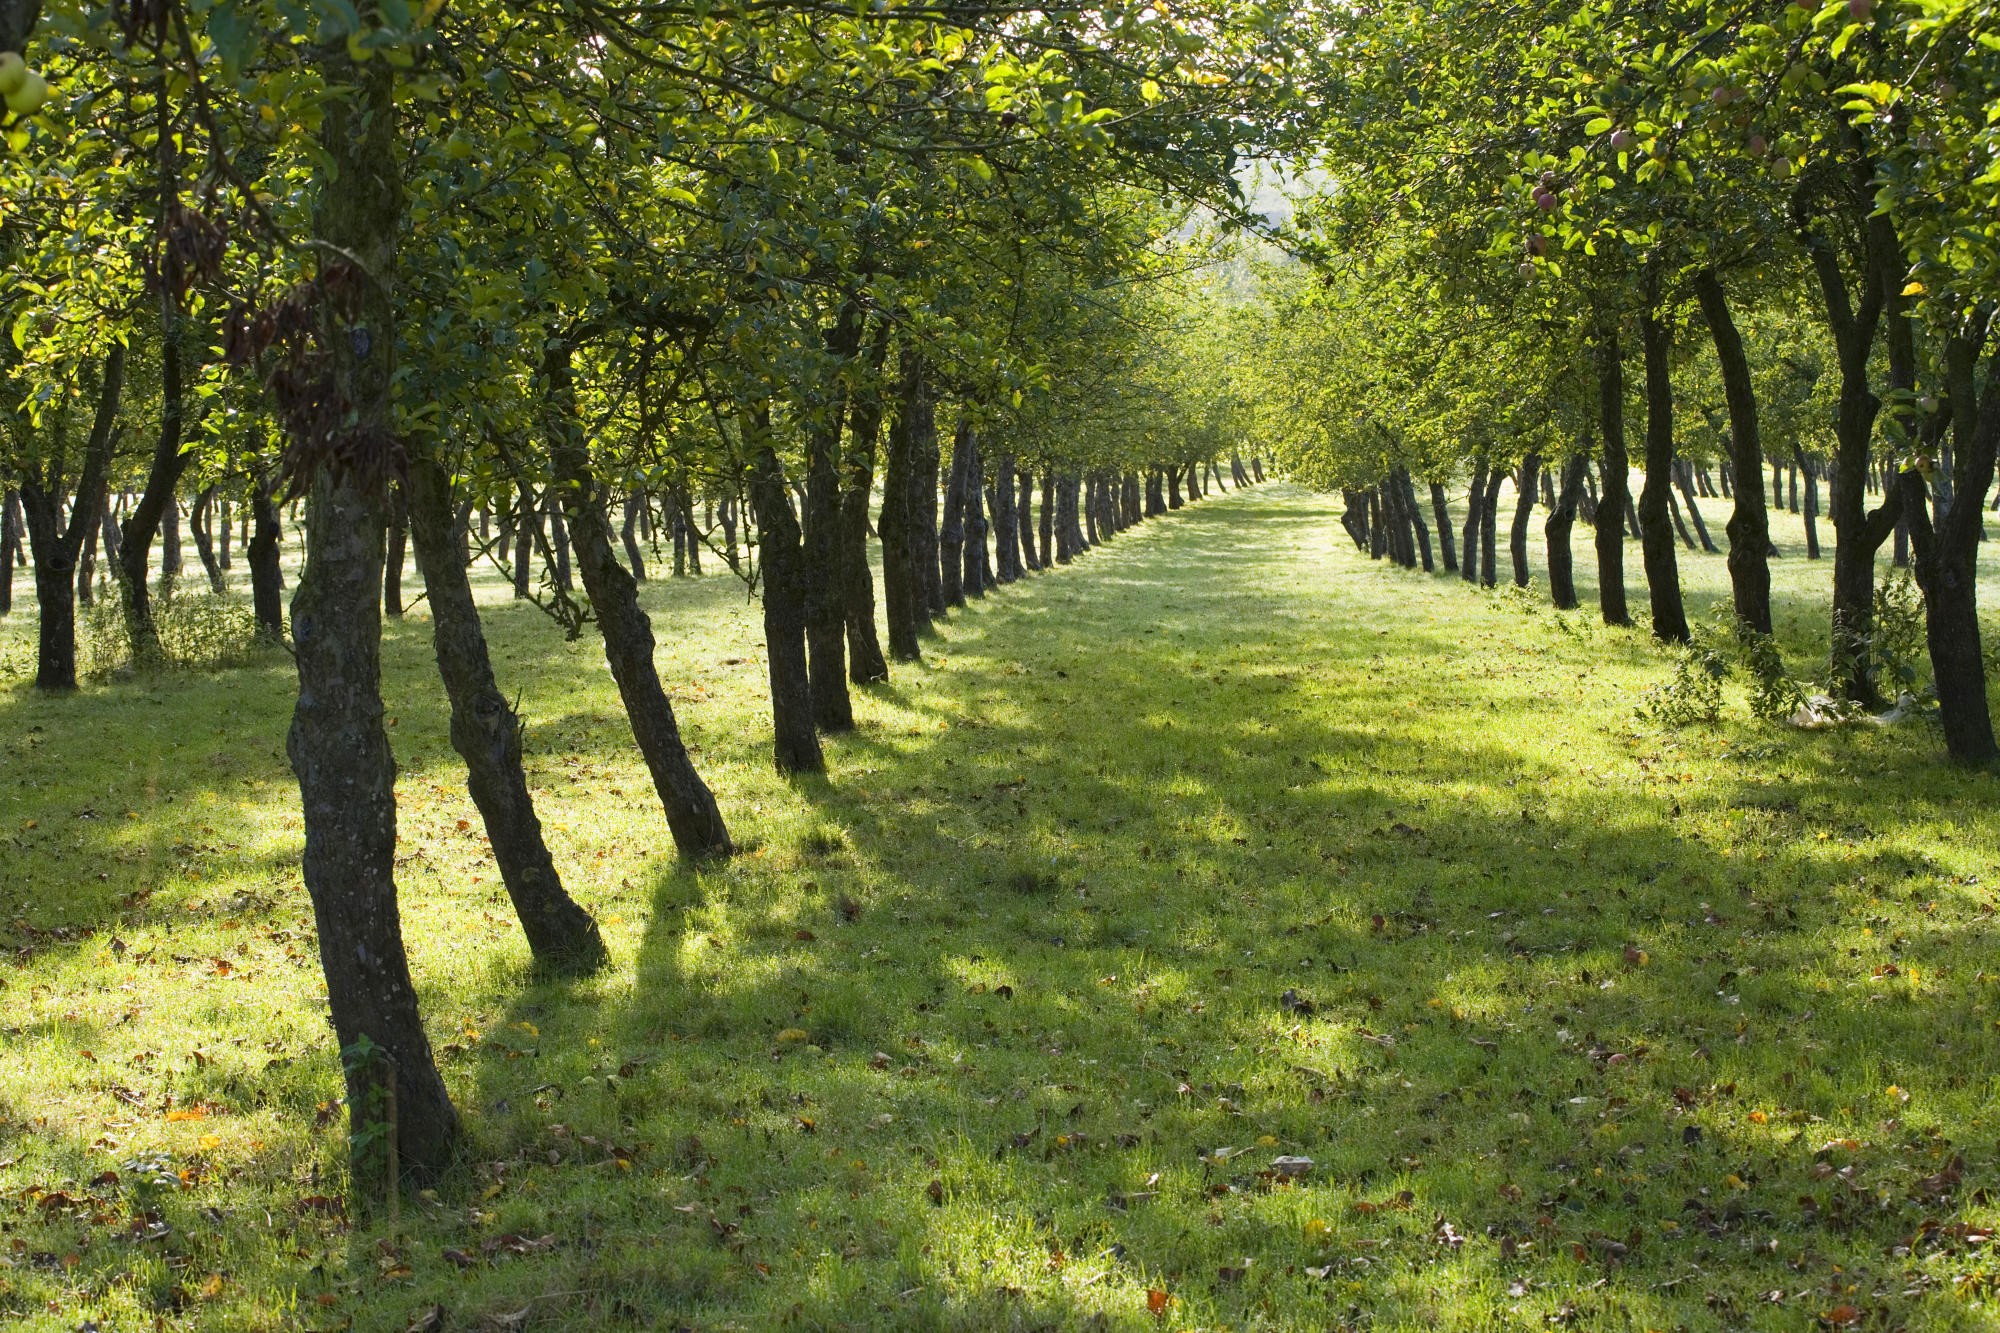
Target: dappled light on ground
(1218, 847)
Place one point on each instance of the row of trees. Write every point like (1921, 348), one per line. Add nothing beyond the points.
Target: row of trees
(1542, 219)
(421, 267)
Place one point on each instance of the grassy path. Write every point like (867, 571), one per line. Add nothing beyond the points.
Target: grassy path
(1220, 846)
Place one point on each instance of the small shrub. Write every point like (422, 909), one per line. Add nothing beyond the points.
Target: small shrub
(1693, 693)
(199, 632)
(1898, 645)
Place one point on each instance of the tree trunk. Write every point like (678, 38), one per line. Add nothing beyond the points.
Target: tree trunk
(527, 521)
(1526, 485)
(951, 531)
(1441, 509)
(56, 545)
(924, 512)
(1656, 534)
(267, 579)
(10, 547)
(1684, 481)
(1562, 518)
(1473, 496)
(1006, 522)
(1489, 514)
(1614, 481)
(1174, 487)
(781, 553)
(486, 732)
(392, 566)
(337, 744)
(903, 593)
(1409, 493)
(86, 559)
(1946, 564)
(1680, 524)
(559, 539)
(1811, 511)
(974, 522)
(201, 522)
(629, 531)
(156, 501)
(1048, 519)
(826, 616)
(1749, 525)
(690, 807)
(865, 663)
(1024, 524)
(1859, 534)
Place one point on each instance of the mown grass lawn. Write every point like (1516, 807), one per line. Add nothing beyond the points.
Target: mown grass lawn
(1221, 846)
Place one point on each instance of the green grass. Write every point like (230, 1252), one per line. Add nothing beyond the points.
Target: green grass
(989, 1032)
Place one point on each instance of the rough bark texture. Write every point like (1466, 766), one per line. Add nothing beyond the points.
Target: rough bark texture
(1562, 518)
(398, 555)
(337, 744)
(1947, 557)
(1859, 534)
(1442, 510)
(56, 545)
(924, 513)
(1614, 480)
(903, 594)
(781, 556)
(1656, 533)
(951, 531)
(1489, 515)
(486, 732)
(974, 522)
(1684, 482)
(267, 580)
(1006, 523)
(690, 807)
(10, 548)
(1527, 483)
(865, 661)
(826, 617)
(629, 533)
(1473, 496)
(1749, 527)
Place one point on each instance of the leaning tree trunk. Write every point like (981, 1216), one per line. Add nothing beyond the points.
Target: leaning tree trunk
(690, 807)
(1749, 526)
(1611, 504)
(781, 554)
(338, 745)
(1656, 534)
(1526, 484)
(1442, 509)
(1415, 511)
(135, 540)
(1684, 482)
(1024, 506)
(1562, 518)
(202, 524)
(1174, 487)
(629, 533)
(486, 731)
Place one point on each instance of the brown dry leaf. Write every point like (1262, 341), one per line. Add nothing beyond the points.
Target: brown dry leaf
(1157, 1302)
